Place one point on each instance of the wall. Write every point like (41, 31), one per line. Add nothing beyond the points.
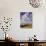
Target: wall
(12, 8)
(45, 28)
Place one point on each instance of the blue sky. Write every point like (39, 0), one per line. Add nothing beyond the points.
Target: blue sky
(26, 17)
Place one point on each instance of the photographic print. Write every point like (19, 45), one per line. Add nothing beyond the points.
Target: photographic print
(26, 19)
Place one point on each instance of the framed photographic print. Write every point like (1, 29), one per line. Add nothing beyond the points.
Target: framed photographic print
(25, 19)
